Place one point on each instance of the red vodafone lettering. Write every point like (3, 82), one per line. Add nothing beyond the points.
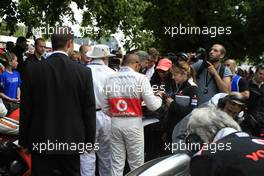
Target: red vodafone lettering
(255, 156)
(121, 107)
(261, 153)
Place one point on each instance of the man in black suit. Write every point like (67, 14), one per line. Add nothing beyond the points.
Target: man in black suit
(57, 115)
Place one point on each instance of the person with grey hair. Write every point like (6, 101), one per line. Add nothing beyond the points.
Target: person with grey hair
(233, 105)
(143, 57)
(220, 140)
(207, 121)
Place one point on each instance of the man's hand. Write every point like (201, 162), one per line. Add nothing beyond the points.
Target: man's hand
(168, 101)
(212, 70)
(223, 84)
(18, 99)
(159, 94)
(15, 100)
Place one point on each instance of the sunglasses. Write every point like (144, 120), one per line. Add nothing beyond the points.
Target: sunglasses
(177, 64)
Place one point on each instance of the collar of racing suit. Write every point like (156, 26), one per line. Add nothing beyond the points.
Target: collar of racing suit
(223, 133)
(125, 69)
(97, 61)
(219, 135)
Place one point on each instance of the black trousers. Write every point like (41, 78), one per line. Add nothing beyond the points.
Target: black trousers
(55, 165)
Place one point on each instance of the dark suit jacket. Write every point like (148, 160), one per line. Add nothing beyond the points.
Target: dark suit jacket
(57, 106)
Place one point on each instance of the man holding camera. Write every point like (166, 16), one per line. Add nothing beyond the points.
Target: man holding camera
(211, 76)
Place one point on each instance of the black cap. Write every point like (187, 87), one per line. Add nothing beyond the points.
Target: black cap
(21, 39)
(238, 99)
(182, 56)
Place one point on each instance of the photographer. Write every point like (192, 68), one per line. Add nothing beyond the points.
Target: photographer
(184, 99)
(211, 76)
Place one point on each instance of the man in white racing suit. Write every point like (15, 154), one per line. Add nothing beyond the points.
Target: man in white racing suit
(100, 71)
(124, 92)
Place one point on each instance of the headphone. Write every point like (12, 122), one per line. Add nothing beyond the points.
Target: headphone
(222, 101)
(182, 56)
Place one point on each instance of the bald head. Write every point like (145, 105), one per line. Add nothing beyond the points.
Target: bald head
(131, 59)
(231, 63)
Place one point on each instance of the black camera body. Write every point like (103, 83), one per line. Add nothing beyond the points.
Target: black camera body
(200, 54)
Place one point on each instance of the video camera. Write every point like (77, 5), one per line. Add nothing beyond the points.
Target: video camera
(200, 54)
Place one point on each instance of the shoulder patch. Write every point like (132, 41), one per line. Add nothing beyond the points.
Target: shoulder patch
(191, 82)
(242, 134)
(258, 141)
(194, 101)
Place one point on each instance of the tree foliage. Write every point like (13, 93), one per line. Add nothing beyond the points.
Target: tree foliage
(127, 16)
(8, 12)
(144, 22)
(244, 18)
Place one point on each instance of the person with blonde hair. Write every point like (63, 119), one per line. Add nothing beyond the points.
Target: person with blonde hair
(238, 83)
(185, 98)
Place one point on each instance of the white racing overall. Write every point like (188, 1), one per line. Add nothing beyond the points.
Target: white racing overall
(103, 125)
(125, 91)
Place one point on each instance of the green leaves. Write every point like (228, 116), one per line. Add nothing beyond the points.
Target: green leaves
(143, 22)
(107, 17)
(244, 18)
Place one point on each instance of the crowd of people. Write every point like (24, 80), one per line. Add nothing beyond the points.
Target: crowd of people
(97, 96)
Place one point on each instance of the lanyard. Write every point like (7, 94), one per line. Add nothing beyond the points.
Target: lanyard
(207, 82)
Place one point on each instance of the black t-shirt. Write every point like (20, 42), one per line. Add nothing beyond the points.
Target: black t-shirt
(243, 155)
(256, 98)
(178, 110)
(243, 85)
